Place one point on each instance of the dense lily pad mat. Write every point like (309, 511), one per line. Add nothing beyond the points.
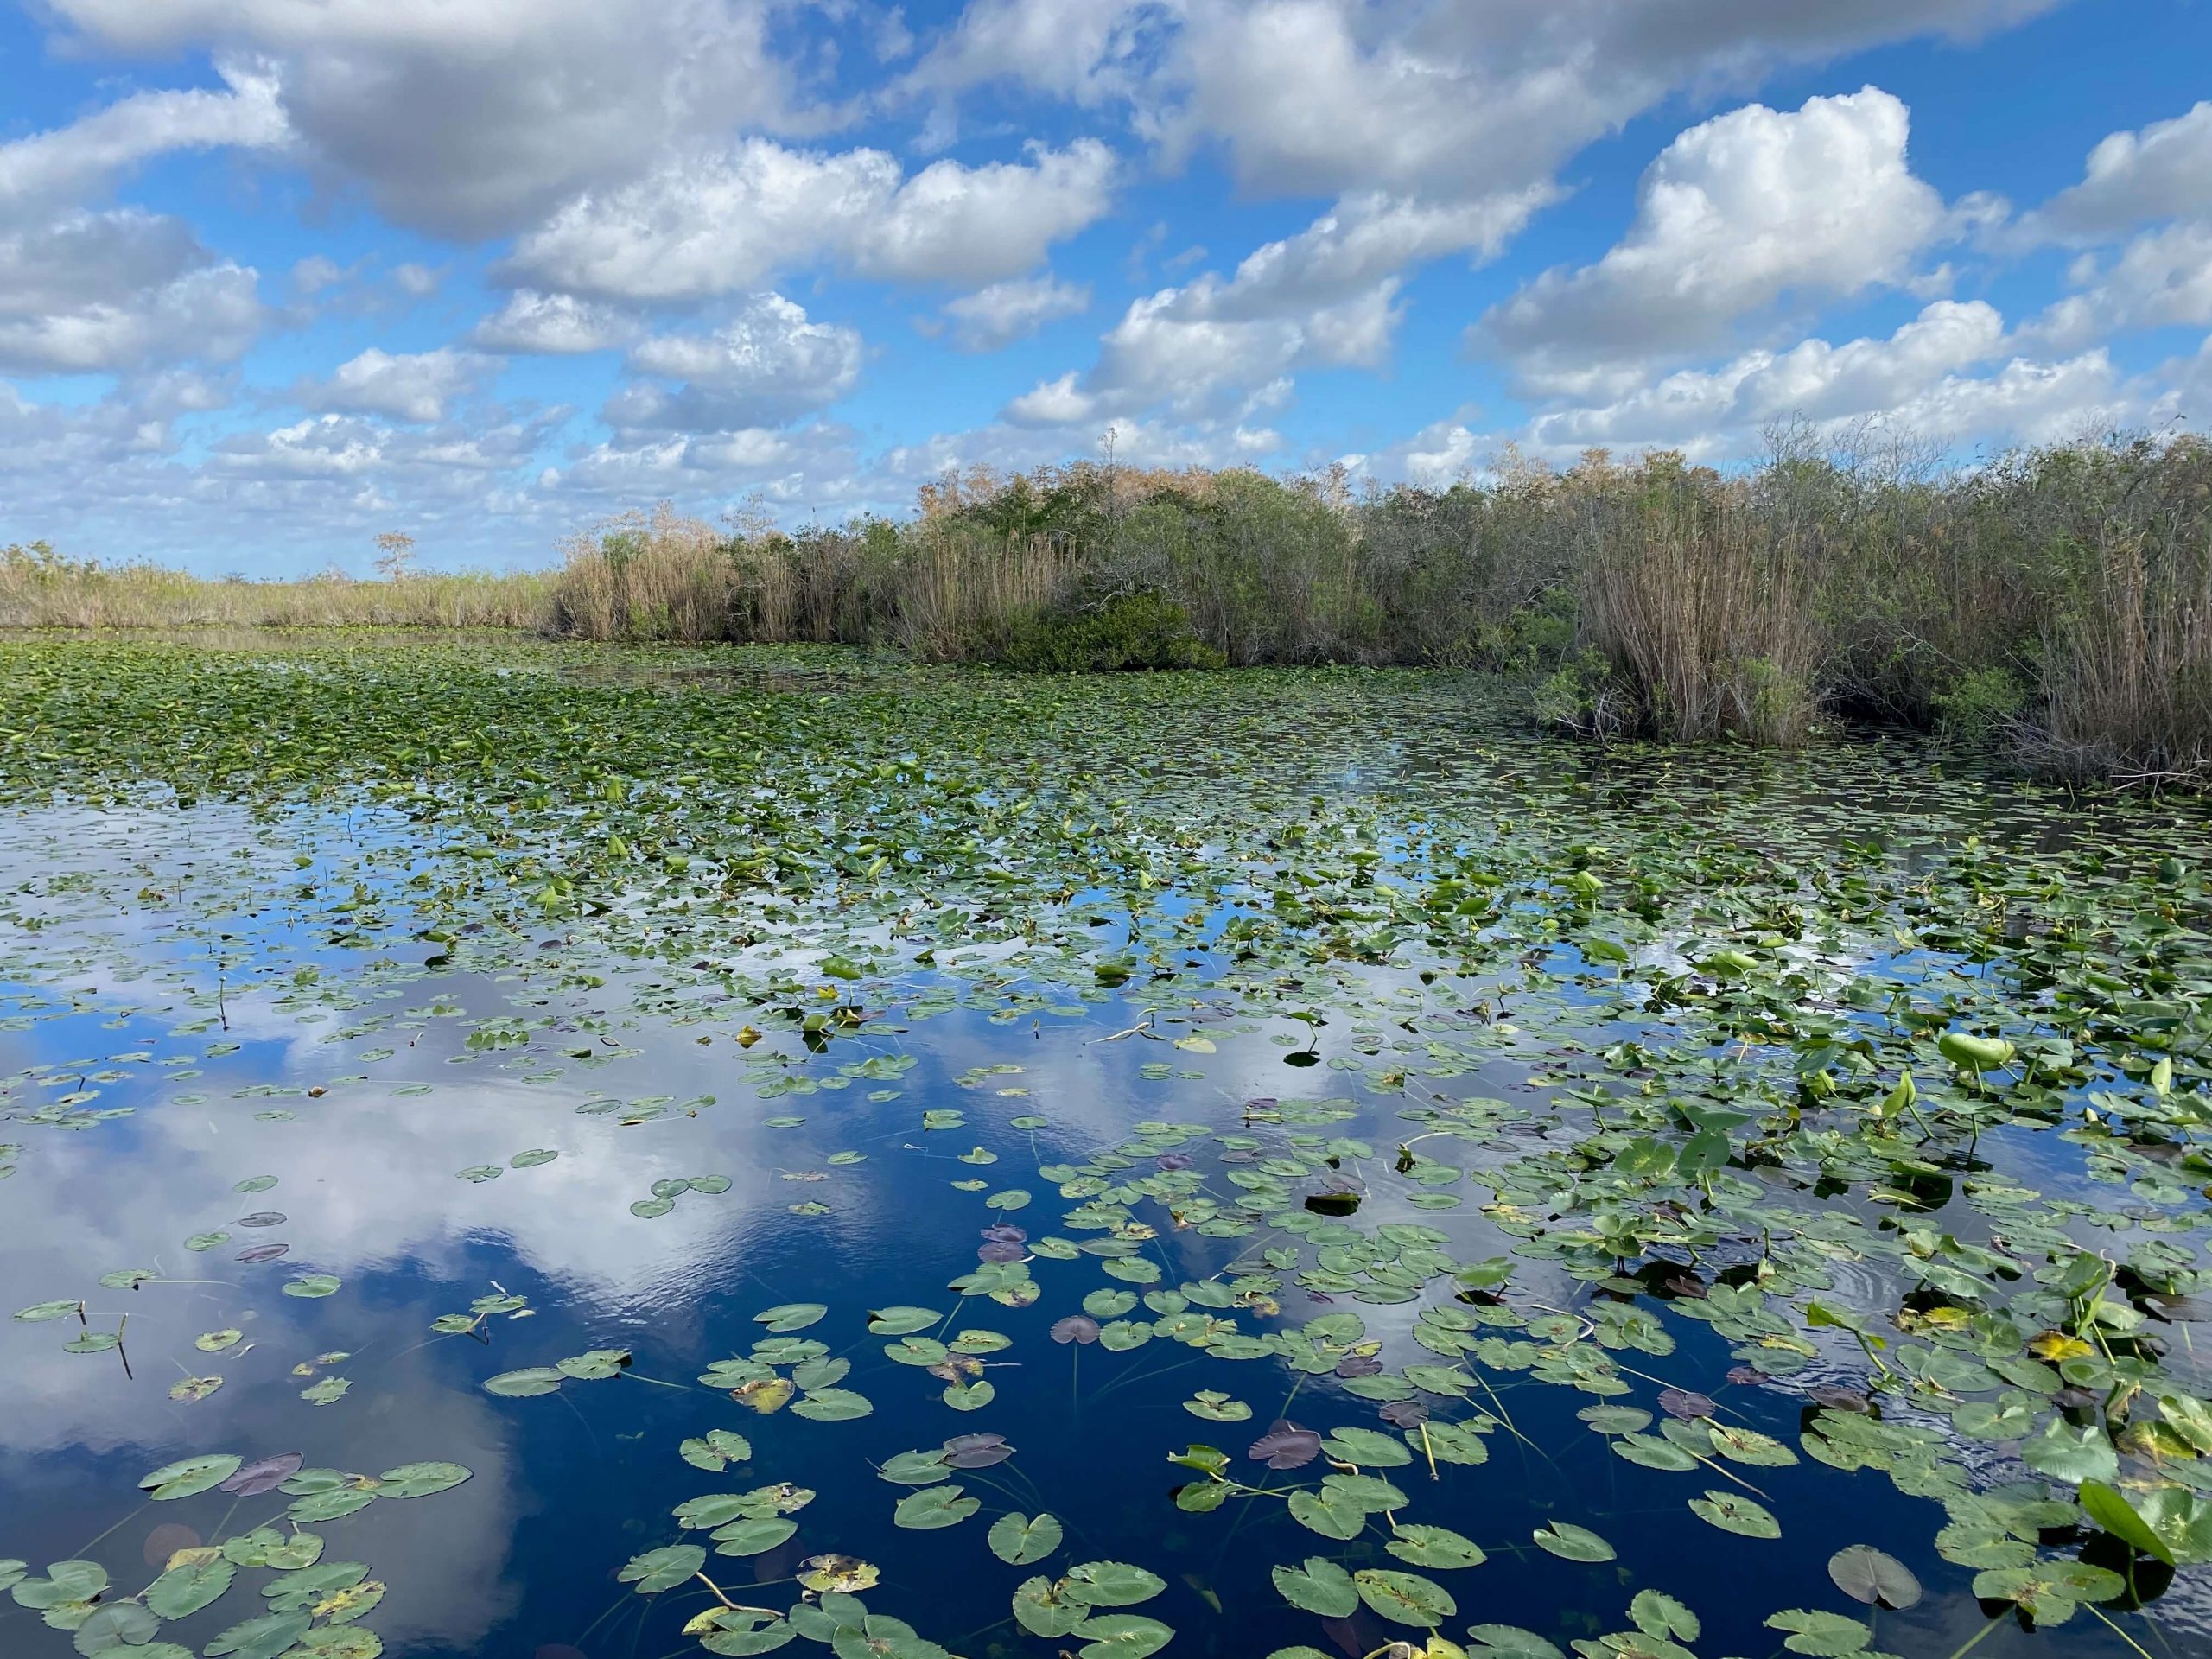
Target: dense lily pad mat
(517, 1149)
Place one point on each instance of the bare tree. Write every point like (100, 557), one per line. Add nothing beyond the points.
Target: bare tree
(395, 555)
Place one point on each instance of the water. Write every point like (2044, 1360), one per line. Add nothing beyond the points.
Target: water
(200, 997)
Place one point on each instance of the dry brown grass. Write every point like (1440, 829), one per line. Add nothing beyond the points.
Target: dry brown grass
(646, 575)
(941, 591)
(1710, 625)
(960, 585)
(39, 590)
(2127, 681)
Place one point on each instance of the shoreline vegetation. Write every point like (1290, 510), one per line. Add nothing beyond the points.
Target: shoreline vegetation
(2053, 602)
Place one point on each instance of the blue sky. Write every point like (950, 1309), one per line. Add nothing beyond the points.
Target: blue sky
(276, 276)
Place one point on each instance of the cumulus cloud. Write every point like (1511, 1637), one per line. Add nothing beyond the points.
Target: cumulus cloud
(1082, 50)
(1326, 297)
(2159, 279)
(63, 167)
(448, 462)
(116, 291)
(1315, 97)
(1922, 378)
(813, 467)
(2161, 171)
(416, 386)
(554, 325)
(473, 120)
(1182, 349)
(995, 317)
(312, 275)
(43, 441)
(1734, 215)
(768, 365)
(722, 221)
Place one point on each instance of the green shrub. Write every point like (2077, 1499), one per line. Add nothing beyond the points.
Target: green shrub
(1132, 631)
(1581, 696)
(1981, 705)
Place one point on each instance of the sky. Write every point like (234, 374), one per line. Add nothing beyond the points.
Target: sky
(278, 275)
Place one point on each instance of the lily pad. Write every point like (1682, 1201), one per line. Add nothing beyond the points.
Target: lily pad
(1021, 1541)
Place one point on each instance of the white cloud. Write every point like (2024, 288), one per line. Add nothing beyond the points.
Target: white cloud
(1183, 349)
(2162, 171)
(416, 386)
(416, 282)
(1441, 454)
(1084, 50)
(553, 324)
(48, 442)
(995, 317)
(1323, 96)
(2159, 279)
(1734, 215)
(813, 467)
(471, 120)
(61, 168)
(1327, 297)
(768, 365)
(1919, 379)
(316, 273)
(445, 461)
(722, 221)
(114, 291)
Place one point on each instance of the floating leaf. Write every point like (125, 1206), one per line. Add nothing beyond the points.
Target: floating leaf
(1320, 1586)
(1044, 1607)
(596, 1366)
(837, 1574)
(717, 1450)
(1020, 1540)
(1865, 1573)
(183, 1590)
(123, 1625)
(1435, 1546)
(933, 1507)
(792, 1316)
(901, 1321)
(1122, 1636)
(1406, 1597)
(1733, 1512)
(262, 1475)
(833, 1406)
(421, 1479)
(1113, 1584)
(664, 1568)
(1572, 1543)
(259, 1639)
(532, 1380)
(190, 1476)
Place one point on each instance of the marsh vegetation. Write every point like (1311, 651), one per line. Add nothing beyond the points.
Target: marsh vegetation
(2053, 605)
(523, 1146)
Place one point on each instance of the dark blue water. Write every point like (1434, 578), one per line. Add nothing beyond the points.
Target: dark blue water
(250, 1046)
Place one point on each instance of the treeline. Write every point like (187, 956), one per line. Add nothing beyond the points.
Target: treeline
(2055, 600)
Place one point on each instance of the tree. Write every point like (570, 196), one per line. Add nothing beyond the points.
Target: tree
(395, 555)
